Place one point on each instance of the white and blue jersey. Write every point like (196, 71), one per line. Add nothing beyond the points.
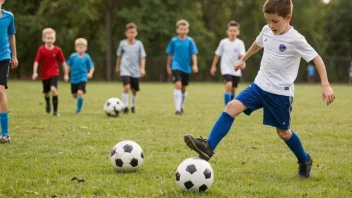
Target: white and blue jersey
(7, 27)
(273, 88)
(182, 51)
(79, 67)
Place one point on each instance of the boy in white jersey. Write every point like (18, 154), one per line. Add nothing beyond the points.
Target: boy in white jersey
(130, 64)
(230, 50)
(273, 87)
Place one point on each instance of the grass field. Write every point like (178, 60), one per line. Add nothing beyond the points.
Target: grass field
(46, 151)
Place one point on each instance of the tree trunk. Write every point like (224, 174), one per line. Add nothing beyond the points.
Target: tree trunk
(108, 17)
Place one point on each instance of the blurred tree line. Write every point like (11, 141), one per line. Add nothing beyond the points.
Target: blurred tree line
(327, 27)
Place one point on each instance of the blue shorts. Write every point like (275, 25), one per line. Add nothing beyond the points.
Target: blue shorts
(277, 108)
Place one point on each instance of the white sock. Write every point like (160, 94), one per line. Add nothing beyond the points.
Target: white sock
(134, 98)
(184, 95)
(125, 99)
(177, 99)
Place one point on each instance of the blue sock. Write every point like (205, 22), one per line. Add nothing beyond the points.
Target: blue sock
(4, 120)
(220, 129)
(79, 104)
(294, 143)
(232, 96)
(227, 98)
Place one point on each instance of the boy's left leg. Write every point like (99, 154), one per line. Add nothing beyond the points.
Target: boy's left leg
(184, 96)
(4, 118)
(80, 92)
(294, 143)
(235, 81)
(54, 92)
(134, 89)
(277, 113)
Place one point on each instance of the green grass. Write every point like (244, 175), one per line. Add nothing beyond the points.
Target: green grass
(46, 152)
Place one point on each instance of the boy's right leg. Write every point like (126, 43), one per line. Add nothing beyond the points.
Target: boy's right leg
(247, 101)
(177, 79)
(46, 91)
(54, 93)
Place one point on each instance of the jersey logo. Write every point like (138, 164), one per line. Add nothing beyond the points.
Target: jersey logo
(235, 50)
(54, 55)
(282, 48)
(266, 39)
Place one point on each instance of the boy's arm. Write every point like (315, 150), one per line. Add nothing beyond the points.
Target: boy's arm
(240, 64)
(91, 72)
(213, 66)
(195, 63)
(35, 70)
(142, 62)
(117, 67)
(66, 69)
(168, 64)
(328, 94)
(14, 61)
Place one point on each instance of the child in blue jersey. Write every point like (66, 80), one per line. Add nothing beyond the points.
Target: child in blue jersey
(181, 50)
(310, 73)
(273, 87)
(8, 56)
(82, 69)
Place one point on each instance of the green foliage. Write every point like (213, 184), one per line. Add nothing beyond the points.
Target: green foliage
(326, 27)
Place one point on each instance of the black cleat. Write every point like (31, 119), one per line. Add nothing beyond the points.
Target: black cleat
(305, 168)
(47, 108)
(199, 145)
(125, 110)
(178, 113)
(133, 109)
(56, 114)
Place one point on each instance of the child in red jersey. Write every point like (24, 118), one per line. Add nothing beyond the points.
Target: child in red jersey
(48, 56)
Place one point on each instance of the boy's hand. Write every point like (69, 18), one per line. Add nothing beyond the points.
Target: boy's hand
(213, 70)
(142, 73)
(34, 76)
(240, 64)
(117, 70)
(89, 75)
(66, 78)
(14, 62)
(168, 71)
(195, 69)
(328, 94)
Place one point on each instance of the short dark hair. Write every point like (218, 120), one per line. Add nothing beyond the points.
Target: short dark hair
(233, 23)
(131, 26)
(281, 7)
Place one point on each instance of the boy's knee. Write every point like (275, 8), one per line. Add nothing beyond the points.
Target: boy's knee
(126, 88)
(2, 92)
(53, 90)
(178, 85)
(79, 93)
(228, 86)
(234, 108)
(284, 134)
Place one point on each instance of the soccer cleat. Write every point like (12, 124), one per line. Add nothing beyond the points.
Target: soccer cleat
(133, 109)
(178, 113)
(181, 110)
(78, 112)
(125, 110)
(56, 114)
(199, 145)
(5, 139)
(47, 107)
(305, 168)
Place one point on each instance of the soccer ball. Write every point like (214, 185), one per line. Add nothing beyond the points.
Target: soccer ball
(113, 107)
(194, 175)
(127, 156)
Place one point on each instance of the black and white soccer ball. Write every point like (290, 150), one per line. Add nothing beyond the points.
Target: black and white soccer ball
(127, 156)
(113, 107)
(194, 175)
